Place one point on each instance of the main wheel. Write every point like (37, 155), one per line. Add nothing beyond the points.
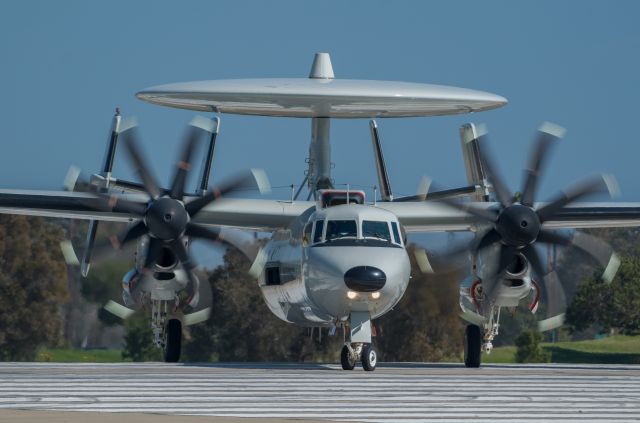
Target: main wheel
(369, 358)
(346, 359)
(174, 341)
(472, 345)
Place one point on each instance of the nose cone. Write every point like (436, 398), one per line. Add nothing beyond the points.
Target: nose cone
(365, 278)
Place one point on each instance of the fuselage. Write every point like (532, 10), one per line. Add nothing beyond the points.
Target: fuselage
(337, 260)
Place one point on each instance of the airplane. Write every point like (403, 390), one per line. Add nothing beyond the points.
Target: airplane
(337, 260)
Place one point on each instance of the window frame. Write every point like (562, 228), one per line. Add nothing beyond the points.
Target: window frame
(358, 234)
(376, 221)
(318, 239)
(395, 231)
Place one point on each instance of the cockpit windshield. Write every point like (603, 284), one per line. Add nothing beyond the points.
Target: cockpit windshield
(376, 229)
(341, 229)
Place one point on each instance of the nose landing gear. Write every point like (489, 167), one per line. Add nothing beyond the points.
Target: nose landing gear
(359, 347)
(365, 353)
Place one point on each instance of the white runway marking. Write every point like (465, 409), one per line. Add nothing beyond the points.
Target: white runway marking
(393, 393)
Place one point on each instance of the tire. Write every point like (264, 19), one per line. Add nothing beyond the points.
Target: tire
(348, 363)
(369, 358)
(174, 341)
(472, 345)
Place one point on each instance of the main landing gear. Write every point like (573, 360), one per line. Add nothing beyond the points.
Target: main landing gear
(359, 346)
(167, 330)
(472, 346)
(173, 342)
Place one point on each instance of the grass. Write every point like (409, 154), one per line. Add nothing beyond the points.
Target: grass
(59, 355)
(616, 349)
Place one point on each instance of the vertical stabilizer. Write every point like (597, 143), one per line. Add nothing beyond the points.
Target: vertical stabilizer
(476, 174)
(381, 168)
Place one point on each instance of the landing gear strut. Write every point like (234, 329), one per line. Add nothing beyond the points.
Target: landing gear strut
(167, 330)
(359, 346)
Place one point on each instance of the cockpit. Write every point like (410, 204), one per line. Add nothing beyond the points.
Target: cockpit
(353, 225)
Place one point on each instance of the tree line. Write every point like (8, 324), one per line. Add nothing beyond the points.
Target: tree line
(41, 299)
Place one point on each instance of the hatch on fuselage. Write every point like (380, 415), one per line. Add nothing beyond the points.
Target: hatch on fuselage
(334, 197)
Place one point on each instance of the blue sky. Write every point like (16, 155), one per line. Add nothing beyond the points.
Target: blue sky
(67, 64)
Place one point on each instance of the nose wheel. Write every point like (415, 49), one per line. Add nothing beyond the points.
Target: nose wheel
(365, 353)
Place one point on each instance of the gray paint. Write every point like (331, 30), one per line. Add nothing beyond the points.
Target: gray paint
(336, 98)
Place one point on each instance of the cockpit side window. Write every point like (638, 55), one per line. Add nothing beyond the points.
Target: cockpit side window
(307, 234)
(341, 229)
(376, 229)
(317, 234)
(396, 233)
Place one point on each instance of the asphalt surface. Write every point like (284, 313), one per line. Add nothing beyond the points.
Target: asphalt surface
(51, 392)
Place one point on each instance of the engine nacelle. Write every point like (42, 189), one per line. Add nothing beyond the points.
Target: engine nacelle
(516, 283)
(165, 263)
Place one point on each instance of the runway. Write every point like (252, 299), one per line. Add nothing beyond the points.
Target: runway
(393, 393)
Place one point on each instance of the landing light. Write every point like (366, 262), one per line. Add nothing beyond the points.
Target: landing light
(351, 295)
(375, 295)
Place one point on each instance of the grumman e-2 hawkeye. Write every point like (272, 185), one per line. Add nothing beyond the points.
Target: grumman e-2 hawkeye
(335, 260)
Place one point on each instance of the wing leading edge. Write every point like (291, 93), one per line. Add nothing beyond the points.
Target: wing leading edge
(432, 216)
(269, 215)
(253, 214)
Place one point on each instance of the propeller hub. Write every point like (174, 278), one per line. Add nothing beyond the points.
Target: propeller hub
(518, 225)
(166, 218)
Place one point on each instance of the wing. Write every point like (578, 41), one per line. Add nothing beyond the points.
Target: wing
(253, 214)
(432, 216)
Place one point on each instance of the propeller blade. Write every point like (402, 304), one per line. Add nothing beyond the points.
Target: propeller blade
(197, 317)
(69, 253)
(551, 323)
(255, 178)
(139, 164)
(236, 238)
(548, 134)
(118, 310)
(556, 299)
(115, 203)
(507, 254)
(552, 237)
(489, 238)
(195, 230)
(600, 251)
(490, 215)
(554, 291)
(153, 253)
(500, 188)
(593, 185)
(88, 249)
(533, 256)
(179, 249)
(114, 243)
(184, 165)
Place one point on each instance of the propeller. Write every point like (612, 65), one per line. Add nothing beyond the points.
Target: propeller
(516, 224)
(166, 217)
